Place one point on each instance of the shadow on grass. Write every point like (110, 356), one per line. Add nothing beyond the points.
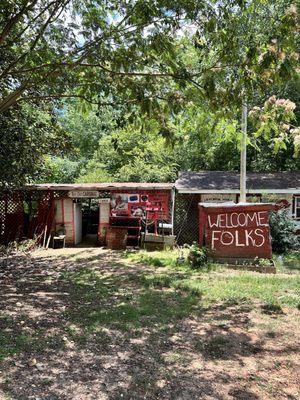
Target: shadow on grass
(115, 330)
(111, 301)
(227, 346)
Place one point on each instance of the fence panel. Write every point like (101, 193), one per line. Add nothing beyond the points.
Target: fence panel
(186, 219)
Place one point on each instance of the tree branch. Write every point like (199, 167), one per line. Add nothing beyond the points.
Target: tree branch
(44, 27)
(58, 96)
(36, 17)
(37, 38)
(14, 20)
(88, 47)
(11, 98)
(105, 69)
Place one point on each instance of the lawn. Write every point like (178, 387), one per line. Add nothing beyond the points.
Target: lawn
(97, 324)
(216, 283)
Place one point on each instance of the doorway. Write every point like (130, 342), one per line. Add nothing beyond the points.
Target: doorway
(86, 216)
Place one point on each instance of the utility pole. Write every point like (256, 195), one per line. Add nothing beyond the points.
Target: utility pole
(243, 153)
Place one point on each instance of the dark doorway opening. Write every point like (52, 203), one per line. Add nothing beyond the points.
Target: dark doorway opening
(90, 221)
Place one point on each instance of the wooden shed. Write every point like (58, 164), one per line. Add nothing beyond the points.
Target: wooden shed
(85, 212)
(193, 188)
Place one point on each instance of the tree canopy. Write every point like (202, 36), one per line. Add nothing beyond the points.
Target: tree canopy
(143, 72)
(26, 135)
(138, 151)
(113, 51)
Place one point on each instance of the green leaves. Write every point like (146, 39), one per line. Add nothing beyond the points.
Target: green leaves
(151, 45)
(135, 153)
(27, 134)
(155, 58)
(273, 121)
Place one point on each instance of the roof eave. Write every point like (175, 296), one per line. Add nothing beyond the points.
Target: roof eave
(237, 191)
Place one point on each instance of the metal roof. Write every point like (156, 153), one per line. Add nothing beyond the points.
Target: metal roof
(102, 186)
(228, 182)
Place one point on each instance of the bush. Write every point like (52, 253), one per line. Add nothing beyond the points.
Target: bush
(197, 257)
(17, 247)
(282, 231)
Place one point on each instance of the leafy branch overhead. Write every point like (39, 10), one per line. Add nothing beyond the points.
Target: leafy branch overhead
(79, 79)
(274, 121)
(144, 52)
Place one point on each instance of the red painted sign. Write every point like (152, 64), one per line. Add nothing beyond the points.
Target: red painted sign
(236, 231)
(132, 202)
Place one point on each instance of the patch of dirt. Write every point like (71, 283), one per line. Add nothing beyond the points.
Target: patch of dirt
(105, 336)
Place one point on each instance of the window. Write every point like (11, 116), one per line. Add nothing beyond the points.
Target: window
(297, 207)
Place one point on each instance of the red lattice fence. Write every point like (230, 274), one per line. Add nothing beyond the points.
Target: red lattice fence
(15, 224)
(41, 223)
(11, 217)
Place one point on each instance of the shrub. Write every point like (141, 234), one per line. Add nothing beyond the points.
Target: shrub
(17, 247)
(282, 231)
(197, 257)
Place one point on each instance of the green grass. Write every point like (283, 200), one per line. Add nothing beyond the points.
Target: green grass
(167, 292)
(109, 301)
(151, 307)
(288, 263)
(221, 284)
(284, 290)
(13, 344)
(165, 258)
(157, 297)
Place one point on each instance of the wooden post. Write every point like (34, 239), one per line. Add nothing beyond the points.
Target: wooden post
(202, 221)
(243, 154)
(45, 236)
(173, 209)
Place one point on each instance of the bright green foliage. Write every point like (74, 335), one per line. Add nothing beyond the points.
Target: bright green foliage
(136, 59)
(197, 257)
(94, 172)
(59, 170)
(87, 128)
(283, 232)
(277, 129)
(273, 120)
(132, 154)
(205, 140)
(26, 134)
(194, 139)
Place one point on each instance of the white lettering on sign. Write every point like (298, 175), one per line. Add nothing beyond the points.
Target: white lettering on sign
(244, 238)
(215, 238)
(261, 235)
(236, 220)
(238, 229)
